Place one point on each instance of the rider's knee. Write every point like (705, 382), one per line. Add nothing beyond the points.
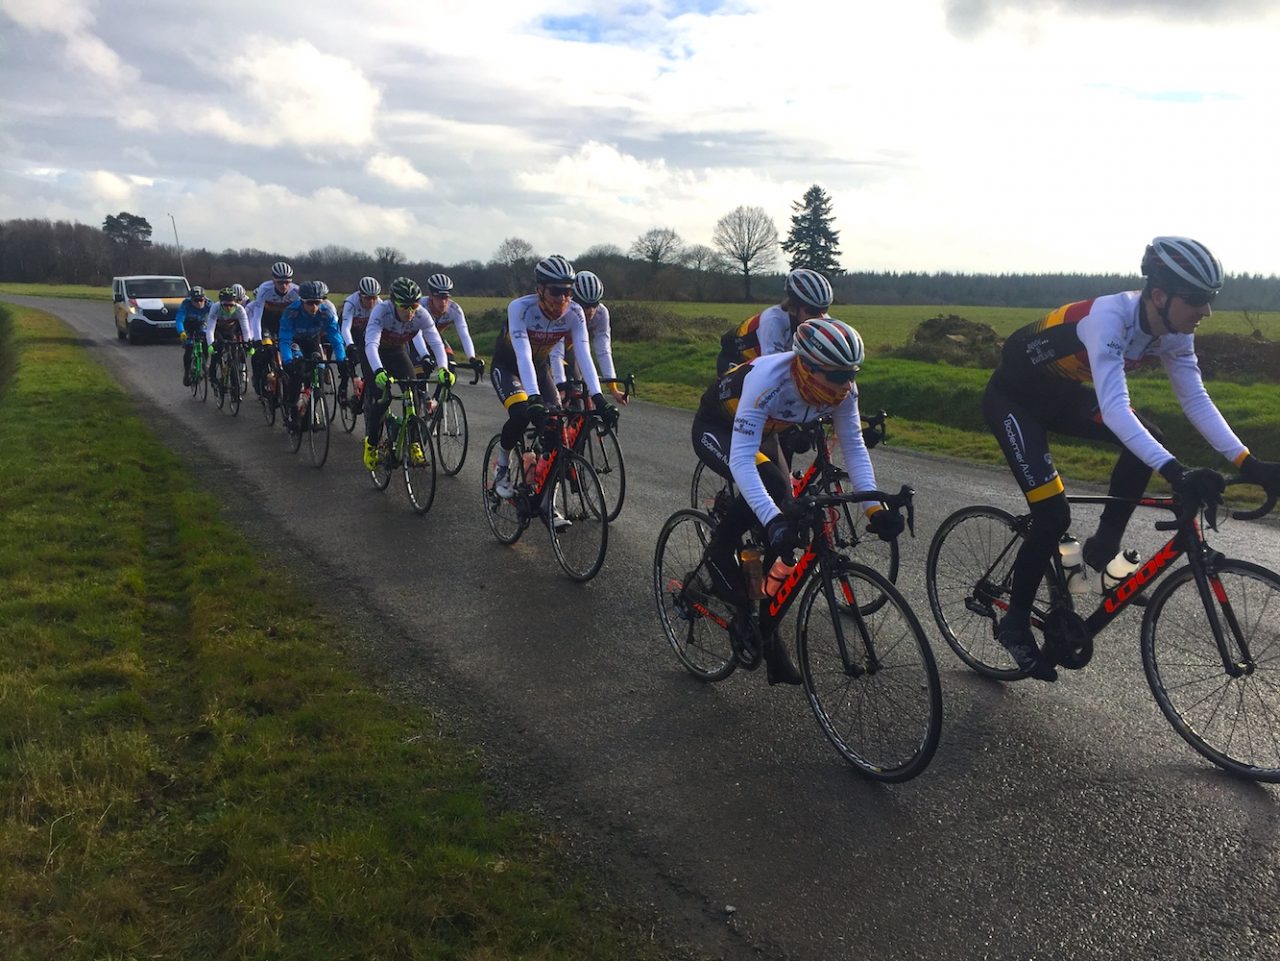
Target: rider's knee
(1052, 516)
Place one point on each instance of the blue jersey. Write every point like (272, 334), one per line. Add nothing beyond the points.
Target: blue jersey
(196, 316)
(296, 322)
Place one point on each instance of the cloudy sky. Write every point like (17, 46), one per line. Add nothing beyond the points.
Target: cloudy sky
(977, 135)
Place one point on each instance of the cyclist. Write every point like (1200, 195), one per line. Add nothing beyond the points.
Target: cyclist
(392, 325)
(762, 397)
(806, 295)
(588, 289)
(355, 321)
(302, 323)
(192, 321)
(230, 323)
(535, 324)
(269, 302)
(1040, 386)
(242, 296)
(446, 313)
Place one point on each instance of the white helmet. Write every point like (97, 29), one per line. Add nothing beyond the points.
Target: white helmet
(828, 344)
(369, 286)
(588, 289)
(281, 271)
(1180, 263)
(553, 270)
(810, 288)
(439, 284)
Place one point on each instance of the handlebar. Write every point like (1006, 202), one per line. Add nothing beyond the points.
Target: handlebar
(475, 366)
(1266, 507)
(903, 499)
(1187, 508)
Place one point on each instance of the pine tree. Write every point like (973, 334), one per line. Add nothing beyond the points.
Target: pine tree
(812, 242)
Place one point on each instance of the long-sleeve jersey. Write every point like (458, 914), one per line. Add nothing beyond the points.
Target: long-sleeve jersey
(266, 299)
(601, 348)
(760, 397)
(227, 321)
(295, 322)
(1100, 340)
(455, 318)
(197, 317)
(355, 318)
(385, 326)
(530, 335)
(768, 332)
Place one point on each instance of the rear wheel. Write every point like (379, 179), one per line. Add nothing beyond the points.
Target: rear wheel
(294, 423)
(706, 485)
(451, 435)
(694, 621)
(347, 404)
(317, 427)
(236, 379)
(329, 387)
(506, 516)
(221, 382)
(579, 521)
(270, 397)
(419, 465)
(602, 451)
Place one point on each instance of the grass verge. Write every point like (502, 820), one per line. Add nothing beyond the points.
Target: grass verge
(188, 767)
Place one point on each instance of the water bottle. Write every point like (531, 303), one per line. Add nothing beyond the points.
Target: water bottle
(778, 575)
(1119, 568)
(752, 560)
(530, 461)
(1072, 556)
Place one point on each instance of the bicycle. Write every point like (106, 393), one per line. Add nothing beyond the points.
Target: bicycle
(599, 445)
(868, 671)
(852, 533)
(330, 382)
(1209, 632)
(350, 397)
(406, 444)
(269, 390)
(447, 420)
(198, 369)
(556, 483)
(230, 367)
(310, 414)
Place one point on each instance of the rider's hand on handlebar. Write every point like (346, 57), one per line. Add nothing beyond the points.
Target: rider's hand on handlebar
(381, 378)
(782, 535)
(620, 395)
(605, 411)
(537, 411)
(445, 376)
(1266, 474)
(1199, 483)
(885, 524)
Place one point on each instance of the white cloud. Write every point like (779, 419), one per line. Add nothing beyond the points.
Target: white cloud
(396, 171)
(106, 187)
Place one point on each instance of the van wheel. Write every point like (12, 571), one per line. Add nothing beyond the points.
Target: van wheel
(135, 337)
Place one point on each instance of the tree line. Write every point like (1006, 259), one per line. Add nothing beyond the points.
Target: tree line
(740, 265)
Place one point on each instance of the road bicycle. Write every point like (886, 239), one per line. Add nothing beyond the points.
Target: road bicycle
(269, 390)
(1210, 636)
(598, 443)
(350, 398)
(556, 484)
(329, 383)
(229, 372)
(406, 446)
(310, 415)
(447, 419)
(868, 671)
(198, 370)
(852, 533)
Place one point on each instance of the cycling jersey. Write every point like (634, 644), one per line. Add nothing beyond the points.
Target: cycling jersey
(529, 336)
(229, 322)
(355, 319)
(267, 301)
(768, 332)
(197, 317)
(1100, 340)
(452, 316)
(601, 348)
(297, 324)
(760, 398)
(386, 327)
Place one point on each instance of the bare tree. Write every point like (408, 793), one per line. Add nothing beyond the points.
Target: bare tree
(748, 237)
(658, 246)
(600, 251)
(389, 259)
(515, 257)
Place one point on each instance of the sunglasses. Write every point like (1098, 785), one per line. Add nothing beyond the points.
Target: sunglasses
(312, 303)
(1196, 298)
(444, 296)
(558, 291)
(835, 376)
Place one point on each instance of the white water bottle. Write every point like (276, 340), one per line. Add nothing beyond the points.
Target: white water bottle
(1072, 556)
(1119, 568)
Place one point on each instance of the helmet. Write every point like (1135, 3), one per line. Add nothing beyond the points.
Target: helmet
(828, 344)
(313, 290)
(239, 291)
(553, 270)
(1181, 264)
(439, 284)
(369, 286)
(587, 288)
(809, 287)
(196, 293)
(405, 292)
(281, 271)
(227, 295)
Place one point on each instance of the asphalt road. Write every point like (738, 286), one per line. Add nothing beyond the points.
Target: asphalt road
(1056, 821)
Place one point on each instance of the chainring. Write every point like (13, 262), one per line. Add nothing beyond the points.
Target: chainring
(1067, 640)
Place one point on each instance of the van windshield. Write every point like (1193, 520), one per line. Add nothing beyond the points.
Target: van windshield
(157, 287)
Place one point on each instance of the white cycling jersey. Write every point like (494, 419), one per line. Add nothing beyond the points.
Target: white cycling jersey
(355, 314)
(601, 348)
(223, 322)
(385, 326)
(531, 333)
(266, 296)
(455, 318)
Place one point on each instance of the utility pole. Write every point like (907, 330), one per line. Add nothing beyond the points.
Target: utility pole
(179, 245)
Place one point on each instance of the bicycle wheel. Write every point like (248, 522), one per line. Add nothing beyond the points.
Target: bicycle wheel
(579, 522)
(419, 463)
(695, 622)
(450, 428)
(870, 678)
(317, 426)
(706, 485)
(1234, 721)
(346, 405)
(329, 387)
(270, 397)
(852, 535)
(602, 451)
(507, 517)
(221, 383)
(294, 424)
(968, 575)
(236, 379)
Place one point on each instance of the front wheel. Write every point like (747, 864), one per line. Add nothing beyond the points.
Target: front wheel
(605, 455)
(694, 621)
(506, 516)
(579, 521)
(870, 678)
(1231, 715)
(419, 465)
(451, 435)
(329, 388)
(236, 379)
(294, 424)
(969, 576)
(317, 427)
(348, 395)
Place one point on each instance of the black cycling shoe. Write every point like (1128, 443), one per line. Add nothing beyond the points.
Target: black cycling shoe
(1019, 642)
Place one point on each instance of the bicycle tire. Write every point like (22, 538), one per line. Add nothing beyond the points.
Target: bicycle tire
(963, 549)
(220, 383)
(346, 404)
(706, 485)
(867, 548)
(317, 427)
(450, 428)
(1232, 721)
(419, 473)
(507, 517)
(293, 425)
(235, 380)
(329, 387)
(576, 495)
(694, 621)
(881, 705)
(270, 396)
(601, 449)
